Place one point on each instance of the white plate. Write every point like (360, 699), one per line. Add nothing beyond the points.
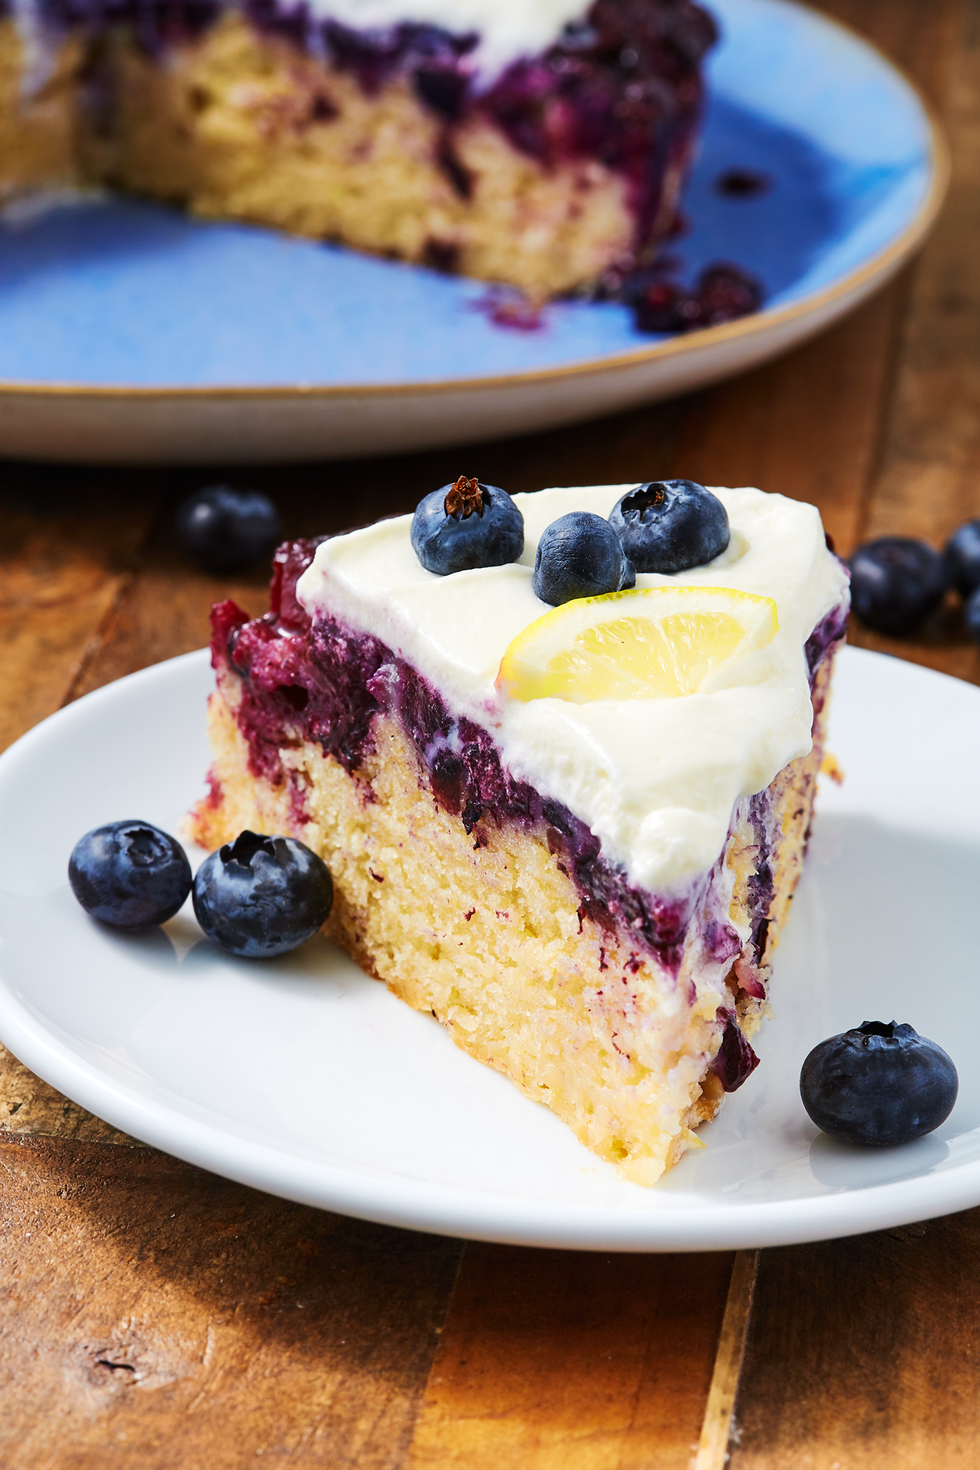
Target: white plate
(304, 1078)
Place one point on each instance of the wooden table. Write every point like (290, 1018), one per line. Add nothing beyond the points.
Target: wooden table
(154, 1316)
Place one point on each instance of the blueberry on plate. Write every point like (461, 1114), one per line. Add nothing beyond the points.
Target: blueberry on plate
(896, 582)
(963, 557)
(879, 1084)
(670, 526)
(129, 874)
(580, 555)
(262, 896)
(971, 615)
(225, 529)
(465, 525)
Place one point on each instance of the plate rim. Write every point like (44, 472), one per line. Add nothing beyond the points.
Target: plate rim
(436, 1207)
(856, 282)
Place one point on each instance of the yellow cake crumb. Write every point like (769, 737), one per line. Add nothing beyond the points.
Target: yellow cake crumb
(485, 932)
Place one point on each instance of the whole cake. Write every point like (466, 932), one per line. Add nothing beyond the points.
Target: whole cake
(571, 835)
(539, 143)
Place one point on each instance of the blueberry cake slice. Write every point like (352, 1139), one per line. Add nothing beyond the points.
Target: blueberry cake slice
(575, 850)
(535, 144)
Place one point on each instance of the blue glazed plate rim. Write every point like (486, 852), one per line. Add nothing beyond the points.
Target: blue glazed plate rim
(879, 265)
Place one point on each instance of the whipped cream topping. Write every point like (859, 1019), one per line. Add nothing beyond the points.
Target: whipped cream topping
(656, 780)
(508, 29)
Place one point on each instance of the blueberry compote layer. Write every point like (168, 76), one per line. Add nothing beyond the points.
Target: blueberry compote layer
(622, 86)
(324, 683)
(828, 635)
(156, 24)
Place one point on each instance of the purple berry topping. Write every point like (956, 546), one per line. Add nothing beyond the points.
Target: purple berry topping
(736, 1061)
(722, 294)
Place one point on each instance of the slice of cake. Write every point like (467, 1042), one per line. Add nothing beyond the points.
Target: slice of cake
(536, 144)
(586, 891)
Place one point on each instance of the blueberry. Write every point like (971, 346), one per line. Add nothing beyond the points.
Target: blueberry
(670, 525)
(722, 294)
(225, 529)
(658, 306)
(579, 555)
(726, 293)
(464, 525)
(971, 615)
(896, 582)
(262, 896)
(963, 557)
(129, 874)
(881, 1083)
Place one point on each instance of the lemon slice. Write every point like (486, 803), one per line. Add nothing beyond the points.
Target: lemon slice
(648, 643)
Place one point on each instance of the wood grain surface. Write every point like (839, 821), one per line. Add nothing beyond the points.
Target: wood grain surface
(865, 1354)
(558, 1358)
(154, 1316)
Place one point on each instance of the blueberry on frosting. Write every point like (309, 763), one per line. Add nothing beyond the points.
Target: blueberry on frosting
(580, 555)
(465, 525)
(670, 525)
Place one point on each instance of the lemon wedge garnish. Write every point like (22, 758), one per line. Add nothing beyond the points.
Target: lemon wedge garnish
(648, 643)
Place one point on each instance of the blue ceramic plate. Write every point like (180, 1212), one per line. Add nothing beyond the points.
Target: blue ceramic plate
(99, 293)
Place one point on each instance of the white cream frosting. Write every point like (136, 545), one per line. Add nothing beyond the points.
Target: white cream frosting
(508, 29)
(655, 780)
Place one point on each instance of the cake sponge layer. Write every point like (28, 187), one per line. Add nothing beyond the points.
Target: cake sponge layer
(38, 125)
(486, 930)
(243, 125)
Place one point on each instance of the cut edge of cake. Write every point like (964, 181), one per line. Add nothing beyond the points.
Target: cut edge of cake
(243, 113)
